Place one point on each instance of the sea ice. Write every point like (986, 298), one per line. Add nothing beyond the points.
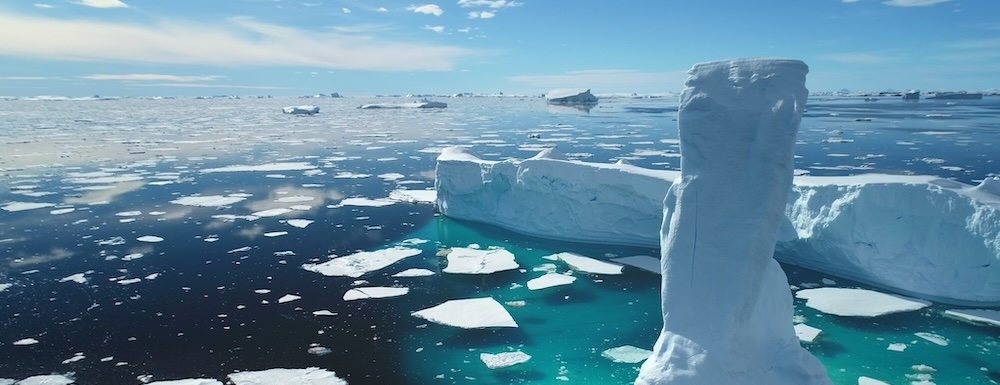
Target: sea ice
(286, 166)
(410, 273)
(550, 280)
(464, 260)
(319, 350)
(301, 110)
(62, 211)
(503, 360)
(295, 199)
(374, 292)
(418, 104)
(48, 379)
(271, 212)
(22, 206)
(627, 354)
(273, 234)
(149, 239)
(307, 376)
(571, 96)
(78, 278)
(806, 333)
(588, 265)
(932, 338)
(300, 223)
(188, 381)
(870, 381)
(288, 298)
(323, 313)
(473, 313)
(25, 342)
(986, 317)
(643, 262)
(896, 347)
(208, 200)
(858, 302)
(365, 202)
(5, 286)
(357, 264)
(413, 196)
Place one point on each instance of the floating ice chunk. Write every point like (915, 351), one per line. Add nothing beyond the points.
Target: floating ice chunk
(472, 313)
(932, 338)
(25, 342)
(418, 104)
(588, 265)
(627, 354)
(365, 202)
(806, 333)
(870, 381)
(319, 350)
(152, 276)
(129, 281)
(391, 176)
(188, 381)
(128, 213)
(975, 316)
(463, 260)
(48, 379)
(288, 298)
(828, 281)
(413, 273)
(350, 175)
(550, 280)
(374, 292)
(643, 262)
(22, 206)
(324, 313)
(149, 239)
(858, 302)
(271, 212)
(301, 110)
(896, 347)
(300, 223)
(262, 291)
(133, 256)
(307, 376)
(76, 357)
(208, 200)
(571, 96)
(295, 199)
(5, 286)
(286, 166)
(62, 211)
(357, 264)
(78, 278)
(273, 234)
(504, 360)
(413, 196)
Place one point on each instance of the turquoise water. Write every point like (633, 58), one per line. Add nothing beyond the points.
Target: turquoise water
(200, 314)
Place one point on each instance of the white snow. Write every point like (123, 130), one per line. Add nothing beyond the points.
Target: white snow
(550, 280)
(976, 316)
(413, 273)
(149, 239)
(187, 381)
(374, 292)
(299, 223)
(208, 200)
(503, 360)
(627, 354)
(307, 376)
(284, 166)
(301, 110)
(473, 313)
(358, 264)
(643, 262)
(588, 264)
(725, 302)
(806, 333)
(858, 302)
(22, 206)
(288, 298)
(25, 342)
(464, 260)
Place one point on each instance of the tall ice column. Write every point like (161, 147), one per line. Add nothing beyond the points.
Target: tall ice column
(727, 308)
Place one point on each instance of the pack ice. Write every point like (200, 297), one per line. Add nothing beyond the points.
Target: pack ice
(918, 235)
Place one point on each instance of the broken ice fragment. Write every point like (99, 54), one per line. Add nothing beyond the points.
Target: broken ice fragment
(462, 260)
(472, 313)
(627, 354)
(858, 302)
(589, 265)
(550, 280)
(357, 264)
(374, 292)
(503, 360)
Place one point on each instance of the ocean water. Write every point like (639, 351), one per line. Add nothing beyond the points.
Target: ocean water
(189, 306)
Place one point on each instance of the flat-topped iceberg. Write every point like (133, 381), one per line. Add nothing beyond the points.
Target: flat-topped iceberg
(919, 235)
(423, 103)
(301, 110)
(571, 96)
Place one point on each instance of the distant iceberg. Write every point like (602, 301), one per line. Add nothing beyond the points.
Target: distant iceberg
(422, 103)
(301, 110)
(919, 235)
(571, 96)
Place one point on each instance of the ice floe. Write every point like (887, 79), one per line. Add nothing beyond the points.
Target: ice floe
(550, 280)
(188, 381)
(413, 196)
(365, 202)
(25, 342)
(896, 347)
(642, 262)
(503, 360)
(271, 212)
(149, 239)
(47, 379)
(870, 381)
(284, 166)
(5, 286)
(975, 316)
(464, 260)
(357, 264)
(301, 110)
(627, 354)
(23, 206)
(472, 313)
(933, 338)
(208, 200)
(858, 302)
(806, 333)
(374, 292)
(588, 264)
(413, 273)
(78, 278)
(307, 376)
(289, 298)
(299, 223)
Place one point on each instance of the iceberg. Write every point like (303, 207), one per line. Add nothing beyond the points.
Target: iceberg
(423, 103)
(187, 381)
(918, 235)
(301, 110)
(472, 313)
(571, 96)
(726, 305)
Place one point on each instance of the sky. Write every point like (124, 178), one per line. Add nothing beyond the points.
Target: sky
(367, 47)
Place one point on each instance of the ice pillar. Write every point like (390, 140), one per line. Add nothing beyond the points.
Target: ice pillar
(727, 308)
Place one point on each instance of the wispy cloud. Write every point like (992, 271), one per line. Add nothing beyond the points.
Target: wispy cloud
(103, 3)
(153, 77)
(28, 78)
(429, 9)
(857, 58)
(381, 9)
(40, 5)
(239, 41)
(914, 3)
(488, 3)
(481, 15)
(619, 79)
(435, 28)
(346, 10)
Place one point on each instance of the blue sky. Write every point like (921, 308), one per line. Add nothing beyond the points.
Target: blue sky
(364, 47)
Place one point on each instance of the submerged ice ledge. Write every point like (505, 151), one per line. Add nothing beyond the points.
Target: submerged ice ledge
(919, 235)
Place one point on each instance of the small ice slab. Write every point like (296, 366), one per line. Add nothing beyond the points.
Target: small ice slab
(858, 302)
(5, 286)
(357, 264)
(188, 381)
(208, 200)
(984, 317)
(587, 264)
(644, 262)
(472, 313)
(932, 338)
(464, 260)
(149, 239)
(271, 212)
(25, 342)
(806, 333)
(273, 234)
(300, 223)
(504, 360)
(870, 381)
(289, 298)
(627, 354)
(78, 278)
(307, 376)
(365, 202)
(550, 280)
(896, 347)
(295, 199)
(22, 206)
(408, 273)
(374, 292)
(47, 379)
(286, 166)
(414, 196)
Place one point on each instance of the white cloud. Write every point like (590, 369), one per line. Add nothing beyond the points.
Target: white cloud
(103, 3)
(481, 15)
(345, 10)
(430, 9)
(382, 9)
(153, 77)
(27, 78)
(488, 3)
(464, 30)
(435, 28)
(43, 5)
(857, 58)
(914, 3)
(607, 79)
(239, 41)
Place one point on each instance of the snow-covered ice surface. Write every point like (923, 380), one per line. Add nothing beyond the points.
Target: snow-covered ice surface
(307, 376)
(806, 333)
(627, 354)
(464, 260)
(47, 379)
(550, 280)
(188, 381)
(472, 313)
(374, 292)
(725, 301)
(357, 264)
(976, 316)
(504, 360)
(858, 302)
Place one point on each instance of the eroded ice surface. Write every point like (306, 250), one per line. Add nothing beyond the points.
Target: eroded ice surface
(858, 302)
(357, 264)
(301, 110)
(503, 360)
(374, 292)
(464, 260)
(588, 264)
(627, 354)
(976, 316)
(472, 313)
(307, 376)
